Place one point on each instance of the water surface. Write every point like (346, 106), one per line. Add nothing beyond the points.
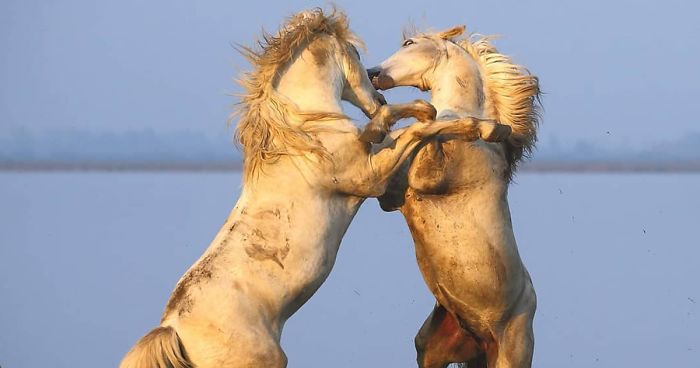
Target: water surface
(87, 261)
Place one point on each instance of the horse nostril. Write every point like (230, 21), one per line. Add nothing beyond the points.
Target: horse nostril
(373, 72)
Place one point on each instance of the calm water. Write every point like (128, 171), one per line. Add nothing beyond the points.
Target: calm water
(87, 261)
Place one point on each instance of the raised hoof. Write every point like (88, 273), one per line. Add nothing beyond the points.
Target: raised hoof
(373, 134)
(494, 132)
(424, 111)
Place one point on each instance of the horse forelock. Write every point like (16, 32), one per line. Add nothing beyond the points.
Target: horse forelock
(265, 130)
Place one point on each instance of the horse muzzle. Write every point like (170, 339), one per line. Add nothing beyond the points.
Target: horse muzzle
(380, 80)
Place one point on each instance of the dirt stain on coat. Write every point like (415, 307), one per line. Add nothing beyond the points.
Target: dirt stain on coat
(266, 245)
(181, 300)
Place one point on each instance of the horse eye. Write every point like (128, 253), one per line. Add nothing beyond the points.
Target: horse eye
(407, 43)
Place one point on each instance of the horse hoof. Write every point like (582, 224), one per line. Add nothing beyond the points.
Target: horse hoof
(494, 132)
(372, 135)
(425, 111)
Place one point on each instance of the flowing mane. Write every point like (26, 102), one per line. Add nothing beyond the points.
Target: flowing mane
(266, 130)
(512, 94)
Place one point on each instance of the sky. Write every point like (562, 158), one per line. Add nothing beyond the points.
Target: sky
(615, 73)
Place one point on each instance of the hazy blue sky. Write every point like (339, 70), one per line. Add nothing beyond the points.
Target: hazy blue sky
(627, 67)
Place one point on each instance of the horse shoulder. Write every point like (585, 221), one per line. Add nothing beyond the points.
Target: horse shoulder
(458, 166)
(431, 168)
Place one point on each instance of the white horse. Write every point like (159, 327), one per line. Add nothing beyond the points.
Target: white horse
(454, 199)
(305, 175)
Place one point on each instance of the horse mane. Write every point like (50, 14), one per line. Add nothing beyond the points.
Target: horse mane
(266, 129)
(512, 95)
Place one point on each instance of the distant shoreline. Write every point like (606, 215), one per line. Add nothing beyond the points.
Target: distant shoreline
(611, 167)
(120, 166)
(534, 167)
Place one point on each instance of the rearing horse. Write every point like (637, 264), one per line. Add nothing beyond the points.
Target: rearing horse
(306, 173)
(454, 197)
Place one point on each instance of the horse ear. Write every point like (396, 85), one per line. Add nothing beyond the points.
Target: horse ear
(452, 32)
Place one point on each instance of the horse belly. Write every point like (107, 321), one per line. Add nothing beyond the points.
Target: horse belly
(454, 252)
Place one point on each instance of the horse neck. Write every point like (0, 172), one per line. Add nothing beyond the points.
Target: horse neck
(312, 86)
(458, 91)
(457, 87)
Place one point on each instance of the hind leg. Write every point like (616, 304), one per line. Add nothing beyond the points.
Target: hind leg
(441, 341)
(478, 362)
(247, 346)
(514, 346)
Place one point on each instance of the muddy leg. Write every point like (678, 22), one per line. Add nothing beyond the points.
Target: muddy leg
(388, 115)
(514, 347)
(442, 341)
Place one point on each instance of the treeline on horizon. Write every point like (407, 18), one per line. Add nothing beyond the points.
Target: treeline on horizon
(74, 145)
(142, 146)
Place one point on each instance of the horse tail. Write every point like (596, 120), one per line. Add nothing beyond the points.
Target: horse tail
(160, 348)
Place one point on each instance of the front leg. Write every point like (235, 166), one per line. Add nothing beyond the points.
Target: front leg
(376, 130)
(431, 169)
(368, 174)
(366, 171)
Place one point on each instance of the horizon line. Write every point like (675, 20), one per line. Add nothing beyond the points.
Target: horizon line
(236, 166)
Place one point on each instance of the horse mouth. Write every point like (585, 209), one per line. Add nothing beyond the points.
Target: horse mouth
(374, 72)
(379, 79)
(383, 82)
